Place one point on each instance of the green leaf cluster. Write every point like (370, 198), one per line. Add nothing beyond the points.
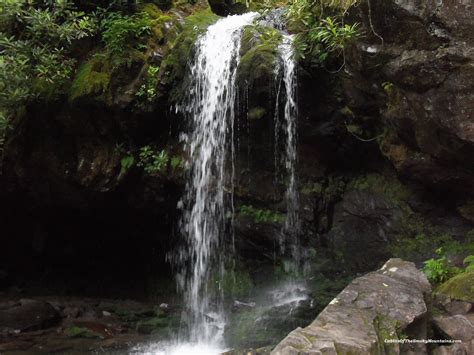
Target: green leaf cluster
(152, 161)
(147, 91)
(320, 28)
(36, 44)
(124, 32)
(261, 215)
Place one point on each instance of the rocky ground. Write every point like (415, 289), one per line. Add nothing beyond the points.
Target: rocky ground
(78, 325)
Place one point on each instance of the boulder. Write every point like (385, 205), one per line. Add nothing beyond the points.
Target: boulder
(28, 315)
(373, 310)
(460, 287)
(456, 349)
(458, 307)
(456, 327)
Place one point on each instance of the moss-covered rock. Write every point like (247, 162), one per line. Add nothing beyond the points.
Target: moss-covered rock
(460, 287)
(259, 55)
(181, 49)
(92, 78)
(81, 332)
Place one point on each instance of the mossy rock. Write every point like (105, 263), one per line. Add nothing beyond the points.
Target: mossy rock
(256, 113)
(92, 78)
(460, 287)
(259, 55)
(81, 332)
(181, 50)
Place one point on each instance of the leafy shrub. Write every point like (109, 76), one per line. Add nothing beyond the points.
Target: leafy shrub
(122, 32)
(438, 270)
(152, 161)
(261, 215)
(318, 36)
(126, 163)
(469, 262)
(148, 90)
(35, 49)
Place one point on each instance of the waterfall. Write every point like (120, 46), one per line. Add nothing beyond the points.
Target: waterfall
(289, 125)
(207, 202)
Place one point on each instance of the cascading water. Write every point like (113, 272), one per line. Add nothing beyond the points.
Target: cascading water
(207, 205)
(289, 125)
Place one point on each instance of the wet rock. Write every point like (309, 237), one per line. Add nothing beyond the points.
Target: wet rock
(368, 311)
(240, 306)
(456, 327)
(425, 63)
(458, 307)
(71, 312)
(456, 349)
(364, 224)
(28, 315)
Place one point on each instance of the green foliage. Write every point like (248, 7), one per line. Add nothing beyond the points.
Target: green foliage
(175, 63)
(438, 270)
(320, 28)
(147, 91)
(92, 78)
(469, 262)
(176, 162)
(4, 126)
(126, 163)
(333, 34)
(123, 32)
(81, 332)
(261, 215)
(152, 161)
(35, 49)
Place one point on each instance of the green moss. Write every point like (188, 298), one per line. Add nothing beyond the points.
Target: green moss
(312, 188)
(256, 113)
(261, 215)
(386, 328)
(236, 283)
(92, 78)
(460, 287)
(385, 184)
(81, 332)
(259, 53)
(175, 62)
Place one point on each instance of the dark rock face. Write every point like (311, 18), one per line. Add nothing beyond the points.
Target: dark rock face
(420, 54)
(375, 304)
(28, 315)
(364, 224)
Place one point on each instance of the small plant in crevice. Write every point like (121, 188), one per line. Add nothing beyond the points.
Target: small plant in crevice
(126, 163)
(123, 32)
(439, 270)
(261, 215)
(469, 263)
(320, 28)
(147, 91)
(152, 161)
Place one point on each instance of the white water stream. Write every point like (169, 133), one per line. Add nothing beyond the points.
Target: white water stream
(207, 203)
(207, 206)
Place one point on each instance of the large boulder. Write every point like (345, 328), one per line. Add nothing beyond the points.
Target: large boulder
(27, 315)
(363, 319)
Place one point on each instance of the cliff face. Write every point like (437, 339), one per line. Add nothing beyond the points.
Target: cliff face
(385, 149)
(421, 54)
